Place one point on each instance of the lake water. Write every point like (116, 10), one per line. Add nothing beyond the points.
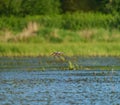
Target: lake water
(49, 81)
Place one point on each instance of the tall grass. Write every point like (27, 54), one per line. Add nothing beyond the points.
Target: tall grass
(90, 20)
(74, 21)
(33, 33)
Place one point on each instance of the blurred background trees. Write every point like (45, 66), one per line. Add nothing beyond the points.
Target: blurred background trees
(48, 7)
(29, 7)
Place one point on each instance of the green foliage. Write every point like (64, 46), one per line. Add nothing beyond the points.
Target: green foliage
(9, 7)
(50, 7)
(111, 6)
(74, 21)
(51, 21)
(115, 23)
(71, 66)
(82, 20)
(79, 5)
(2, 49)
(29, 7)
(12, 23)
(105, 6)
(43, 7)
(50, 35)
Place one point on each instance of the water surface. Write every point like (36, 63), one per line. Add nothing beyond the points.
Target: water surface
(51, 63)
(48, 81)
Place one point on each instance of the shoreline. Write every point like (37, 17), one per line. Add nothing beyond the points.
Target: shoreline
(69, 49)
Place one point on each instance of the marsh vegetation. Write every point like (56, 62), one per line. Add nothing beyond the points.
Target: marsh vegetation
(74, 27)
(73, 34)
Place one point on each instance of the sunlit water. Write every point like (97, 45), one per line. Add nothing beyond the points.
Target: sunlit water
(47, 81)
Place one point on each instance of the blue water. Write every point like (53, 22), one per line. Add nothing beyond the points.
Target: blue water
(20, 86)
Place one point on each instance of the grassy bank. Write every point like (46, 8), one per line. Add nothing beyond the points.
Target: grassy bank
(84, 34)
(70, 49)
(40, 41)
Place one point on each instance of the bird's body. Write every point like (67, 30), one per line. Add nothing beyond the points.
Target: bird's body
(57, 54)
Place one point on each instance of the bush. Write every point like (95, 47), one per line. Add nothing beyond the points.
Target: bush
(29, 7)
(86, 20)
(69, 21)
(12, 23)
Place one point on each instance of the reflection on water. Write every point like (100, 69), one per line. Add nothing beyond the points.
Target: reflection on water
(18, 86)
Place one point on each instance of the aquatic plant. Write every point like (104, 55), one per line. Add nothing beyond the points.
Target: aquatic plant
(71, 66)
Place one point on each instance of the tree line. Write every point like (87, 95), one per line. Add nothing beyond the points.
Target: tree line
(49, 7)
